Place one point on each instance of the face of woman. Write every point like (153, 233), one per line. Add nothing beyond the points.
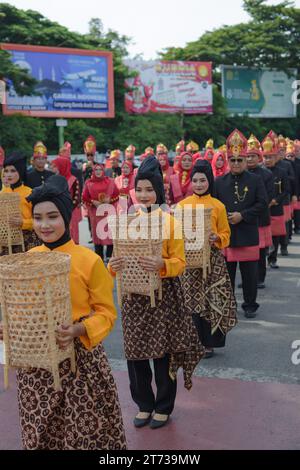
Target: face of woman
(219, 162)
(99, 172)
(200, 183)
(48, 223)
(126, 170)
(162, 161)
(145, 193)
(11, 176)
(54, 168)
(187, 162)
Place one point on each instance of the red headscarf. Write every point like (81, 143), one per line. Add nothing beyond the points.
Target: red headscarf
(127, 163)
(2, 156)
(64, 166)
(166, 159)
(125, 182)
(219, 171)
(184, 175)
(209, 155)
(176, 164)
(96, 187)
(97, 179)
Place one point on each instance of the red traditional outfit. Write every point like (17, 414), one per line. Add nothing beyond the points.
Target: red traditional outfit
(180, 183)
(193, 148)
(125, 184)
(179, 151)
(97, 189)
(219, 171)
(167, 171)
(64, 167)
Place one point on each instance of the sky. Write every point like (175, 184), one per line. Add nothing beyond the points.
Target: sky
(152, 24)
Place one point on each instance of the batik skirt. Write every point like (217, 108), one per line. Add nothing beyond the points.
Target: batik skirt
(168, 328)
(85, 415)
(212, 299)
(30, 241)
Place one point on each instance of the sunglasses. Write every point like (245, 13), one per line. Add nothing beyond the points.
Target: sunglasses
(236, 160)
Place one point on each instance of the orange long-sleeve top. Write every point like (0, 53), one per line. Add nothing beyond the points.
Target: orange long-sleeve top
(91, 290)
(219, 221)
(26, 208)
(172, 249)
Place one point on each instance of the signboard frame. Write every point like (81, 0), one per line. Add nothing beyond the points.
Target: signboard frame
(160, 84)
(65, 113)
(294, 73)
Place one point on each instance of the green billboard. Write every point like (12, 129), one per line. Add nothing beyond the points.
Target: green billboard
(259, 92)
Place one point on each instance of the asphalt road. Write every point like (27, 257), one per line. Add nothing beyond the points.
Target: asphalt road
(257, 349)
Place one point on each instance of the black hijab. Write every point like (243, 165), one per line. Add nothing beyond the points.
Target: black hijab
(203, 166)
(150, 170)
(18, 160)
(55, 190)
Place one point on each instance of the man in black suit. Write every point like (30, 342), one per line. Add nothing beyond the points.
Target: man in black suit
(244, 196)
(38, 175)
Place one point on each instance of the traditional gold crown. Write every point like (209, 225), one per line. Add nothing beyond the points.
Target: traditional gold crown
(290, 147)
(253, 143)
(114, 154)
(130, 148)
(281, 141)
(236, 144)
(223, 148)
(192, 147)
(149, 151)
(269, 145)
(209, 144)
(39, 150)
(162, 148)
(89, 145)
(180, 146)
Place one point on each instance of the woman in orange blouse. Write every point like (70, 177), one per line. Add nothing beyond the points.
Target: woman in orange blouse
(211, 301)
(14, 175)
(164, 333)
(86, 414)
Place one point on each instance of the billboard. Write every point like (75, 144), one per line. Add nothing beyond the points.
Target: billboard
(261, 93)
(169, 87)
(72, 83)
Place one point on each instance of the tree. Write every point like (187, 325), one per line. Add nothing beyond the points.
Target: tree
(270, 39)
(30, 27)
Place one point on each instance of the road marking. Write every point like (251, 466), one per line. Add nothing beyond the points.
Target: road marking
(231, 373)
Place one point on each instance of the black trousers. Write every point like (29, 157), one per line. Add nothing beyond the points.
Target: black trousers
(262, 265)
(140, 377)
(99, 249)
(203, 327)
(284, 239)
(273, 252)
(297, 220)
(249, 273)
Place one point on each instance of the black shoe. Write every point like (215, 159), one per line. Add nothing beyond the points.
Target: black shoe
(141, 422)
(208, 353)
(250, 312)
(155, 423)
(284, 252)
(261, 285)
(273, 265)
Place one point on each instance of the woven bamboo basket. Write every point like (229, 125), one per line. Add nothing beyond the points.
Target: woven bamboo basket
(197, 252)
(133, 279)
(10, 204)
(35, 300)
